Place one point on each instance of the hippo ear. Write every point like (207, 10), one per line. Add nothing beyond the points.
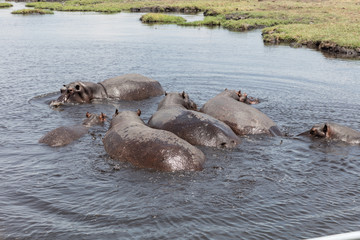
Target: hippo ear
(226, 89)
(88, 114)
(116, 112)
(183, 94)
(325, 129)
(77, 87)
(138, 112)
(102, 117)
(165, 93)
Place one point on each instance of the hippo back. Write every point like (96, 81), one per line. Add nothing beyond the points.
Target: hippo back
(195, 127)
(62, 136)
(132, 87)
(242, 118)
(145, 147)
(344, 133)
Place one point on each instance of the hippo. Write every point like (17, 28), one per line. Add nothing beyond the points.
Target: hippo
(242, 118)
(176, 114)
(65, 135)
(334, 131)
(243, 97)
(125, 87)
(129, 139)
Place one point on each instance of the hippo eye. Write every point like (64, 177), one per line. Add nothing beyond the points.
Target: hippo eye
(77, 87)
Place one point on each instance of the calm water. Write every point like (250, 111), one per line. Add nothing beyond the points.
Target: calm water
(266, 188)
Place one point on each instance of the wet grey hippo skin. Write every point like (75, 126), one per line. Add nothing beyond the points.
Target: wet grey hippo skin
(174, 114)
(62, 136)
(129, 139)
(333, 131)
(242, 118)
(125, 87)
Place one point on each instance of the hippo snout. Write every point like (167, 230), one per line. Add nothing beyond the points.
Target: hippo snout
(55, 103)
(60, 101)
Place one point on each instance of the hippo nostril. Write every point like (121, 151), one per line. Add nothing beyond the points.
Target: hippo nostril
(223, 144)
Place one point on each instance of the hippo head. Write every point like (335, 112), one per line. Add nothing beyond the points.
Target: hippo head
(125, 116)
(242, 96)
(76, 92)
(187, 102)
(175, 98)
(320, 130)
(94, 119)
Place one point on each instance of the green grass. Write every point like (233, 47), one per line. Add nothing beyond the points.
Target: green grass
(340, 34)
(161, 18)
(57, 6)
(5, 5)
(32, 11)
(301, 21)
(251, 23)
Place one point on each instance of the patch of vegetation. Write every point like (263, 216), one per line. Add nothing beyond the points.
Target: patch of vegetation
(5, 5)
(57, 6)
(161, 18)
(32, 11)
(337, 34)
(248, 24)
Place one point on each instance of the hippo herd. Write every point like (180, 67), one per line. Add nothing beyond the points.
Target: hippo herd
(168, 141)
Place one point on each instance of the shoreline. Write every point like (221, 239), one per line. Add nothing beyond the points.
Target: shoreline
(328, 48)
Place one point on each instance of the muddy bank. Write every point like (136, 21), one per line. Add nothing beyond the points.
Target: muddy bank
(328, 48)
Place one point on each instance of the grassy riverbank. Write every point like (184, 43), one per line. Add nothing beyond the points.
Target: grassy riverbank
(330, 25)
(5, 5)
(161, 18)
(32, 11)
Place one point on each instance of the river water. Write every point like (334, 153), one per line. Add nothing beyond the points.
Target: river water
(267, 188)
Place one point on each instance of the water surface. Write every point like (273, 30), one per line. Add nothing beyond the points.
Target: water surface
(266, 188)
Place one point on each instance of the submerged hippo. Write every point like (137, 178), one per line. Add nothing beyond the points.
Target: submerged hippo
(242, 118)
(125, 87)
(175, 114)
(333, 131)
(243, 97)
(64, 135)
(129, 139)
